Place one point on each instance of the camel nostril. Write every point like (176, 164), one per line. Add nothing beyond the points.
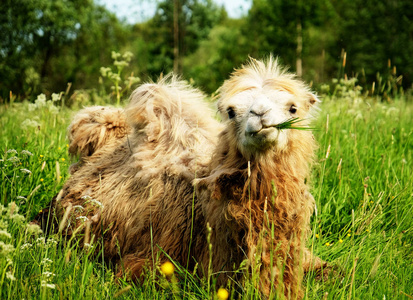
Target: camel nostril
(259, 111)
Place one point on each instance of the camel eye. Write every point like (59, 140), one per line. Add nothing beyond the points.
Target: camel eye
(231, 112)
(293, 109)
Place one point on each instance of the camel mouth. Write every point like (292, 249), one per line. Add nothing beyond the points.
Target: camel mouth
(267, 130)
(263, 131)
(263, 138)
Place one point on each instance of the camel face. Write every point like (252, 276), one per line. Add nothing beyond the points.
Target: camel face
(255, 116)
(256, 99)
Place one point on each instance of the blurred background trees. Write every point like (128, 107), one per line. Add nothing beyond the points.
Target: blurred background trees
(45, 44)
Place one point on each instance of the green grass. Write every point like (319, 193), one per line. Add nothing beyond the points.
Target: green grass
(362, 184)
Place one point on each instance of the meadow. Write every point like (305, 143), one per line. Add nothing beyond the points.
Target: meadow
(363, 224)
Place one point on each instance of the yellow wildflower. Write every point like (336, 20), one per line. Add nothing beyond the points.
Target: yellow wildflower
(222, 294)
(167, 268)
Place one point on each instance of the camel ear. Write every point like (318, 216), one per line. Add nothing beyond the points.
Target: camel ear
(313, 99)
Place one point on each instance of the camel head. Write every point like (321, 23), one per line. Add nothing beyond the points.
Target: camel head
(258, 97)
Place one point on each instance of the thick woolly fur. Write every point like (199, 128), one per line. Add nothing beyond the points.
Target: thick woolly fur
(169, 169)
(93, 130)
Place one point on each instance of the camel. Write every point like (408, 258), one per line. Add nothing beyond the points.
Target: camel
(163, 179)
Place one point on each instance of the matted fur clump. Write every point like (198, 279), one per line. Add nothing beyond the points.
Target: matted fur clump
(152, 177)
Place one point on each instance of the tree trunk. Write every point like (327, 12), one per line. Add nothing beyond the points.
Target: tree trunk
(176, 37)
(299, 51)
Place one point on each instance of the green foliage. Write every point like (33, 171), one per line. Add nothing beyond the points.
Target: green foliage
(273, 24)
(216, 57)
(34, 152)
(48, 43)
(196, 19)
(363, 194)
(120, 61)
(373, 33)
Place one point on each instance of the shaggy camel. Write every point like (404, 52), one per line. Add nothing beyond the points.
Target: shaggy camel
(152, 179)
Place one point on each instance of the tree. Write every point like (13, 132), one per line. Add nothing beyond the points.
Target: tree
(372, 33)
(195, 20)
(217, 56)
(46, 43)
(279, 27)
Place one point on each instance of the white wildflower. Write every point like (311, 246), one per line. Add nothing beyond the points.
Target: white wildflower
(26, 152)
(29, 123)
(55, 97)
(12, 208)
(5, 249)
(40, 101)
(33, 229)
(115, 77)
(26, 171)
(40, 241)
(82, 218)
(132, 79)
(9, 261)
(52, 109)
(127, 55)
(10, 276)
(51, 241)
(32, 107)
(105, 71)
(96, 202)
(121, 63)
(5, 234)
(115, 55)
(78, 208)
(41, 97)
(26, 246)
(48, 285)
(46, 261)
(86, 197)
(17, 218)
(14, 159)
(11, 151)
(48, 274)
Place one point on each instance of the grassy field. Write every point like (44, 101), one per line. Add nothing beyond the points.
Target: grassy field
(363, 226)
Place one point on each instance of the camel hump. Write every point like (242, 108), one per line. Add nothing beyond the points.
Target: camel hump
(94, 127)
(171, 113)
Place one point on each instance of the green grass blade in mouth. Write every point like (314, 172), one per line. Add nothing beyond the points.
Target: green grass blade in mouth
(289, 124)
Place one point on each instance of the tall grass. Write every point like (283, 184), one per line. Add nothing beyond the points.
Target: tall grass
(363, 226)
